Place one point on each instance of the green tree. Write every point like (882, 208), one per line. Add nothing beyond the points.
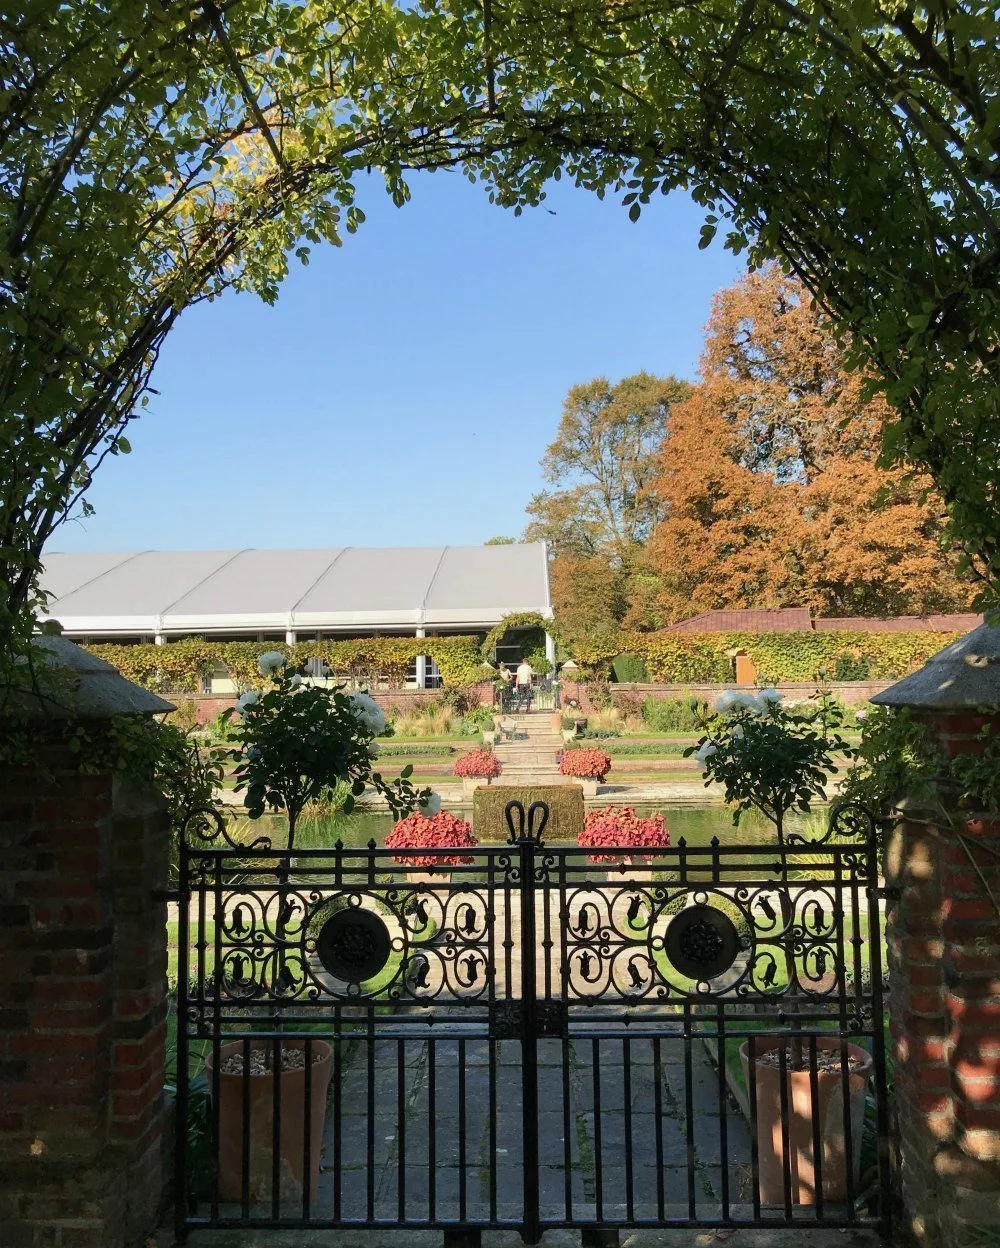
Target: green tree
(605, 461)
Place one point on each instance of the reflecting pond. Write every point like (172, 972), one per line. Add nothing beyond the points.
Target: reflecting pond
(697, 824)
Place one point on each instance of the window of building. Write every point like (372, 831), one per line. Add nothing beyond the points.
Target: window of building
(432, 674)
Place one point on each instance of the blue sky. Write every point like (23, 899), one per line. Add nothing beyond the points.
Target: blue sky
(405, 386)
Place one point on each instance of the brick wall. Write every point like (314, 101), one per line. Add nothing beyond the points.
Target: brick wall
(944, 1003)
(850, 692)
(400, 700)
(82, 1009)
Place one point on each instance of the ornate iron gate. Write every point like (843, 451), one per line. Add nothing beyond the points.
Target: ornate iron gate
(532, 1039)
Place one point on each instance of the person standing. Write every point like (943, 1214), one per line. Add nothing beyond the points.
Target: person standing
(525, 675)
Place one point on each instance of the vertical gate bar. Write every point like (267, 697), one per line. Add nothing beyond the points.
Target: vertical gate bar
(401, 1128)
(658, 1112)
(720, 1028)
(492, 1045)
(462, 1202)
(627, 1102)
(183, 1023)
(786, 1158)
(561, 932)
(216, 981)
(338, 1106)
(431, 1128)
(689, 1111)
(370, 1100)
(878, 1040)
(754, 1144)
(529, 1040)
(307, 1130)
(845, 1082)
(816, 1140)
(245, 1155)
(491, 1041)
(547, 943)
(598, 1142)
(276, 1082)
(845, 1087)
(567, 1130)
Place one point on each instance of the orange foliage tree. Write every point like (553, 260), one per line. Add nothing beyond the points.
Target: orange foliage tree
(772, 489)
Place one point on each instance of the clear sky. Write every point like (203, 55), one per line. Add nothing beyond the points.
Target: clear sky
(404, 387)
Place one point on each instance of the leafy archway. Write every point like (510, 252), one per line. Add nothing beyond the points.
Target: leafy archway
(155, 154)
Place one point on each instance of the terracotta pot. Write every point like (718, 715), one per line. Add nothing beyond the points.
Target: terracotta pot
(982, 827)
(257, 1136)
(829, 1109)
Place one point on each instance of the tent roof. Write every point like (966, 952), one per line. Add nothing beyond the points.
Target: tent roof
(347, 588)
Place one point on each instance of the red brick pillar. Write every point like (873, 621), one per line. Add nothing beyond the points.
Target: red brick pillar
(944, 1003)
(82, 1007)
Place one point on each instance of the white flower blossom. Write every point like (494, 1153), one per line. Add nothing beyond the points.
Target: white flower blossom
(706, 752)
(245, 700)
(860, 714)
(769, 697)
(736, 732)
(374, 749)
(270, 662)
(727, 701)
(369, 713)
(295, 682)
(430, 805)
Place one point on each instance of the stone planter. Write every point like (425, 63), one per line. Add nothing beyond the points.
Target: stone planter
(589, 786)
(419, 877)
(829, 1111)
(254, 1138)
(557, 721)
(471, 783)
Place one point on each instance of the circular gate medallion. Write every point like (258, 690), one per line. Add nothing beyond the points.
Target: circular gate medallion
(701, 942)
(353, 945)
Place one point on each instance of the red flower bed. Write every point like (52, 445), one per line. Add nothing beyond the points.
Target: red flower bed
(441, 831)
(478, 765)
(585, 764)
(621, 826)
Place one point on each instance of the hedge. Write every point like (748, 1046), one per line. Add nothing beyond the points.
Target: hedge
(565, 803)
(706, 658)
(179, 666)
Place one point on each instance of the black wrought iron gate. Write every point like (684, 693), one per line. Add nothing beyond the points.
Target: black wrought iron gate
(530, 1038)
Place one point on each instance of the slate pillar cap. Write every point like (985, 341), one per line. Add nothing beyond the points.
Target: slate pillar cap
(90, 687)
(964, 676)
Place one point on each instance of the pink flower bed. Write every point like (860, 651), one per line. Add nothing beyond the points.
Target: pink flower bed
(443, 831)
(585, 764)
(478, 765)
(621, 826)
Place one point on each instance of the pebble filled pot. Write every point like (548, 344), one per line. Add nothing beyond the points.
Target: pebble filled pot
(816, 1079)
(247, 1096)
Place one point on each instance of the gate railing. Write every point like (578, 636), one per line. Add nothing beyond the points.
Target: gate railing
(519, 1040)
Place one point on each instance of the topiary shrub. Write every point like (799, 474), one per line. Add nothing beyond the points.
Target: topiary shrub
(565, 803)
(630, 669)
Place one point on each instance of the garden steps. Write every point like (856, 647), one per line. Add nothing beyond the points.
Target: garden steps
(531, 758)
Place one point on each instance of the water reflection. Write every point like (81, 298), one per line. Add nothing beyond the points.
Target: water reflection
(697, 824)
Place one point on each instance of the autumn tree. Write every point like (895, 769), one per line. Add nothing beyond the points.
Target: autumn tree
(772, 484)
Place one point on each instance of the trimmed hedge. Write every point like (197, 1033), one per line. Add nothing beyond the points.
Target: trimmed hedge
(706, 658)
(565, 802)
(179, 666)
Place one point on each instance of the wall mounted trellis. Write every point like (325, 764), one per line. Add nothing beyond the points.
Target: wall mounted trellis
(520, 1041)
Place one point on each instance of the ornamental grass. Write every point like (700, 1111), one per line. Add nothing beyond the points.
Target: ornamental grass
(621, 827)
(441, 832)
